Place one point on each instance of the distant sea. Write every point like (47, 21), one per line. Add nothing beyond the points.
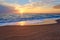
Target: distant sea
(11, 18)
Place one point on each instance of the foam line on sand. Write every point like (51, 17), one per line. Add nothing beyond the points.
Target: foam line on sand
(32, 22)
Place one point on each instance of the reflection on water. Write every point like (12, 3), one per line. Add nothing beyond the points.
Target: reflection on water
(37, 22)
(22, 23)
(32, 22)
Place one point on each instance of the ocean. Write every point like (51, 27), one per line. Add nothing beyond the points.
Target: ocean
(12, 18)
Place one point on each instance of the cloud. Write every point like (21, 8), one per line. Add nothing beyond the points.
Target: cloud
(33, 7)
(56, 7)
(39, 3)
(6, 9)
(9, 8)
(47, 1)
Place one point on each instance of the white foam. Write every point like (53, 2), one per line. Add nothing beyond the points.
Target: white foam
(31, 22)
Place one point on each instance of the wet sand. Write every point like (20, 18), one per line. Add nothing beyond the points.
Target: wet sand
(33, 32)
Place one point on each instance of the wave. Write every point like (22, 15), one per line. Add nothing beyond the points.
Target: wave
(32, 22)
(12, 19)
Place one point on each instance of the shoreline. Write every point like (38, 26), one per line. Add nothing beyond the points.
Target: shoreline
(31, 32)
(32, 22)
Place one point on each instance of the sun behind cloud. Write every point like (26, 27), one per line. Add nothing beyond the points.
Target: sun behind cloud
(34, 7)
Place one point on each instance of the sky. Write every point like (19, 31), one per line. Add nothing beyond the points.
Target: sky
(29, 6)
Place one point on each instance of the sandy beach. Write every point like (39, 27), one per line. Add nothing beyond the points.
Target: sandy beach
(32, 32)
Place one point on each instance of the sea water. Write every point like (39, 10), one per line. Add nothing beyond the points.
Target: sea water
(12, 18)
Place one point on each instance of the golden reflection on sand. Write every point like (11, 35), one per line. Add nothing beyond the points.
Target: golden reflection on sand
(22, 23)
(36, 22)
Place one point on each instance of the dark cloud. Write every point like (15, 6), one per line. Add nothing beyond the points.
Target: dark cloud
(6, 9)
(56, 7)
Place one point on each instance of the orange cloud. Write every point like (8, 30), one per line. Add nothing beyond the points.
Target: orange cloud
(38, 8)
(56, 7)
(31, 8)
(41, 10)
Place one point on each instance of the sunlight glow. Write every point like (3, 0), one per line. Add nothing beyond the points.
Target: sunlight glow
(22, 23)
(21, 11)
